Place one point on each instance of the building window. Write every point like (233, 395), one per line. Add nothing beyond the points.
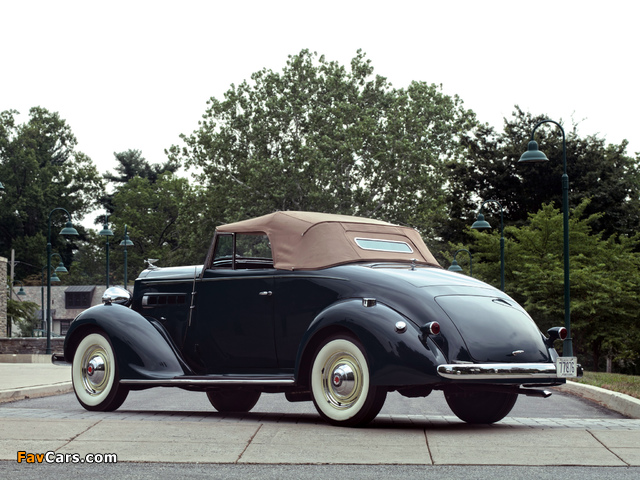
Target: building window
(76, 300)
(64, 326)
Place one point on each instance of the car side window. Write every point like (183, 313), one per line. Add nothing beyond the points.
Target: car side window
(223, 254)
(251, 251)
(253, 246)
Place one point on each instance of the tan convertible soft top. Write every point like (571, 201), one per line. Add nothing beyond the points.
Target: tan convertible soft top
(310, 241)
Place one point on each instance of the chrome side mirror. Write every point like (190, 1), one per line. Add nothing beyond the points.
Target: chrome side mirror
(117, 295)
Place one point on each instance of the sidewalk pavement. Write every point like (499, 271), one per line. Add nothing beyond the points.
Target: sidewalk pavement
(397, 439)
(29, 380)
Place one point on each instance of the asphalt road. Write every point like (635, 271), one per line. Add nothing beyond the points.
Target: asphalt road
(164, 471)
(179, 403)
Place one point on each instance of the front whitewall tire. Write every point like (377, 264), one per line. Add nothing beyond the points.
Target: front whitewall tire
(94, 374)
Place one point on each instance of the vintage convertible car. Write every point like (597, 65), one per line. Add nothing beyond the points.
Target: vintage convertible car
(332, 309)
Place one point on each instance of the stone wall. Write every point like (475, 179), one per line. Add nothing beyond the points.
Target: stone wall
(29, 345)
(3, 297)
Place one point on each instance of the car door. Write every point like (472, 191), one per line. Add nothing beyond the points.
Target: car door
(232, 322)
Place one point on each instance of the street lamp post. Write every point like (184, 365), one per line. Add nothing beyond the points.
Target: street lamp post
(125, 243)
(457, 268)
(42, 308)
(106, 232)
(67, 230)
(533, 155)
(482, 223)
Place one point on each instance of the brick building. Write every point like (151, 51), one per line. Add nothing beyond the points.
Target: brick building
(67, 301)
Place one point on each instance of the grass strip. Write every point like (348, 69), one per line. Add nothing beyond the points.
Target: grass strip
(616, 382)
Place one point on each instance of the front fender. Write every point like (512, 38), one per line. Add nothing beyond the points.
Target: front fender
(395, 358)
(140, 350)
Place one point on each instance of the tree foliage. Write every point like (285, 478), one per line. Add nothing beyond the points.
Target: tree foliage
(160, 221)
(604, 279)
(321, 137)
(602, 173)
(41, 170)
(23, 314)
(131, 164)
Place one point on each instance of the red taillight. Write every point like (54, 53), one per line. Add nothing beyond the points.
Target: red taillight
(562, 333)
(556, 333)
(431, 328)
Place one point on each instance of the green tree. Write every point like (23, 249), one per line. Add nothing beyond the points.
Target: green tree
(129, 165)
(605, 280)
(24, 316)
(160, 217)
(319, 136)
(603, 173)
(89, 261)
(41, 170)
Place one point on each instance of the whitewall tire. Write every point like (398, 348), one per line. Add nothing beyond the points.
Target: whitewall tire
(340, 383)
(94, 374)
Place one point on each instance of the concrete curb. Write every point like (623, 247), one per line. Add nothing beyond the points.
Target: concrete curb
(618, 402)
(21, 393)
(24, 358)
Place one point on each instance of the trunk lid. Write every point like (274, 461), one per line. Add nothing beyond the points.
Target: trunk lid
(495, 329)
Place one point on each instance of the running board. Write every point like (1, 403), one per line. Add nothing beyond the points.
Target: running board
(215, 380)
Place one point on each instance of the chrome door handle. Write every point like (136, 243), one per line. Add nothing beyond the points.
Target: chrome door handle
(266, 293)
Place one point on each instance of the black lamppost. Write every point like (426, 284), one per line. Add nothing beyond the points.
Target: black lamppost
(67, 230)
(457, 268)
(482, 223)
(54, 278)
(125, 243)
(106, 232)
(533, 155)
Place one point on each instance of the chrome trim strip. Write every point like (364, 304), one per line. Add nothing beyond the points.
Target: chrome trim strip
(497, 371)
(170, 280)
(382, 240)
(213, 381)
(270, 277)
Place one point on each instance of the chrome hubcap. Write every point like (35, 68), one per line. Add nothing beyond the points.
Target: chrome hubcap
(342, 380)
(95, 370)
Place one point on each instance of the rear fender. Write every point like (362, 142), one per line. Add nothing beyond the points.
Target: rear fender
(141, 351)
(395, 358)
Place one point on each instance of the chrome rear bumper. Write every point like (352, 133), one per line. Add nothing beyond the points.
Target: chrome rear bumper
(498, 371)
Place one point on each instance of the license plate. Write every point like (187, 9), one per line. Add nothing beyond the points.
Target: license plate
(567, 367)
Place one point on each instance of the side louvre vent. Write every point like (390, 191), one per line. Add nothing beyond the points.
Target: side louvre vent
(163, 299)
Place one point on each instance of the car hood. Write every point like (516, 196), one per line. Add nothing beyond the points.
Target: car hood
(171, 273)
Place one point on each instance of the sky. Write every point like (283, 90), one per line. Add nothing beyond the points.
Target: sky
(136, 74)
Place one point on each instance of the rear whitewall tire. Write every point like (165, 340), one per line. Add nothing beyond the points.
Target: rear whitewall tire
(340, 383)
